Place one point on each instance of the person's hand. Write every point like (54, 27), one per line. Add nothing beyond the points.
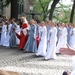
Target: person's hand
(13, 28)
(48, 40)
(72, 34)
(60, 34)
(67, 50)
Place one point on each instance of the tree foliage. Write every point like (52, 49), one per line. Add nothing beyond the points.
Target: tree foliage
(7, 2)
(62, 13)
(42, 7)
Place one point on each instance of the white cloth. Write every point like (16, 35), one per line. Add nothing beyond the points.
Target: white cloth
(72, 39)
(51, 47)
(62, 39)
(18, 32)
(3, 34)
(43, 43)
(6, 42)
(73, 66)
(25, 31)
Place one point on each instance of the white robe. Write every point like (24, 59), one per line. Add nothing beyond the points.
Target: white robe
(3, 34)
(51, 47)
(73, 66)
(72, 39)
(62, 39)
(6, 42)
(43, 43)
(18, 31)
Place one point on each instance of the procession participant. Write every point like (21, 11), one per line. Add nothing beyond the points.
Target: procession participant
(51, 46)
(12, 40)
(31, 42)
(18, 32)
(37, 33)
(48, 26)
(6, 42)
(3, 33)
(43, 40)
(72, 38)
(69, 32)
(62, 38)
(58, 30)
(23, 33)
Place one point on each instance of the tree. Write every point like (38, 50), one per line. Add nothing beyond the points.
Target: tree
(72, 12)
(14, 7)
(52, 8)
(62, 13)
(42, 7)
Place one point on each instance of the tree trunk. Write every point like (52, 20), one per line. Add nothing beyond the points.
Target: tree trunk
(52, 8)
(44, 17)
(14, 9)
(72, 12)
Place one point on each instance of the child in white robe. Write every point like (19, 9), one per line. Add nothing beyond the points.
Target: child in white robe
(18, 30)
(62, 38)
(72, 38)
(6, 42)
(3, 33)
(52, 39)
(43, 40)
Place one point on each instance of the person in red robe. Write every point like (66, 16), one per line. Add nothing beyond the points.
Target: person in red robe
(23, 36)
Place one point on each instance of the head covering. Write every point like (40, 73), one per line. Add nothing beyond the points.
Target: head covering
(25, 20)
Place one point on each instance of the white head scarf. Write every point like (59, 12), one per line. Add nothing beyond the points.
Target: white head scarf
(25, 20)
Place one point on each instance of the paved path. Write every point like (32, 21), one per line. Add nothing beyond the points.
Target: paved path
(29, 64)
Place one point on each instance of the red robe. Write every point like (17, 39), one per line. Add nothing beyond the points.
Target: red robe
(38, 40)
(22, 37)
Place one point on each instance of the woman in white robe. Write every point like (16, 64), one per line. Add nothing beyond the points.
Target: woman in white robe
(6, 42)
(43, 40)
(72, 38)
(18, 32)
(62, 38)
(51, 46)
(3, 33)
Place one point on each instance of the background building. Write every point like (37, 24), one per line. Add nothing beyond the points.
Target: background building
(24, 6)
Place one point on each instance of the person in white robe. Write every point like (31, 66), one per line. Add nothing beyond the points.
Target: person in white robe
(72, 38)
(18, 30)
(58, 30)
(48, 26)
(43, 40)
(6, 42)
(3, 33)
(12, 40)
(51, 46)
(69, 33)
(62, 38)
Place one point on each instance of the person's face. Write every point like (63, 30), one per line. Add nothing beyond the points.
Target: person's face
(63, 25)
(59, 24)
(42, 24)
(3, 23)
(68, 73)
(49, 23)
(22, 20)
(32, 22)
